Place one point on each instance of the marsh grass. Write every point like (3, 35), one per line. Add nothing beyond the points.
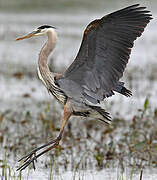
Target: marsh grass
(86, 144)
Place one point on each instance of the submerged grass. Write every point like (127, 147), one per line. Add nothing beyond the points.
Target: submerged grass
(86, 144)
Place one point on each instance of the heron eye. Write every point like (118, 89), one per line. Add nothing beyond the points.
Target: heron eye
(38, 31)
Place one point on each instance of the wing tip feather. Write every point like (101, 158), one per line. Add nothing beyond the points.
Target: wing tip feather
(136, 8)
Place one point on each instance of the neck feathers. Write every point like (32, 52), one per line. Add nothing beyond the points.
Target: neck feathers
(44, 73)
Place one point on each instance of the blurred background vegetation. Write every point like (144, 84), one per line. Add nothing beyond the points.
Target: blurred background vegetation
(72, 5)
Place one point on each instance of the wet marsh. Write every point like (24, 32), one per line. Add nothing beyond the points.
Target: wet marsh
(29, 116)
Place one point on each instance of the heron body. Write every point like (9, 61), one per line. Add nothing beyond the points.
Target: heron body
(95, 73)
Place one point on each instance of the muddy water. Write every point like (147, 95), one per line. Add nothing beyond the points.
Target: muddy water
(20, 88)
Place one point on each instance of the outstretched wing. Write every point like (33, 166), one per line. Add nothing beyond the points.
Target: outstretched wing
(103, 54)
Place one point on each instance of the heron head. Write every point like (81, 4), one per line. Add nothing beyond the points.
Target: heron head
(42, 30)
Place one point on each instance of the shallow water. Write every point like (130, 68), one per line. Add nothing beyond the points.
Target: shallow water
(18, 61)
(107, 174)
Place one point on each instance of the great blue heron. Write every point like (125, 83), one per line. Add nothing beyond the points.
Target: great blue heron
(95, 73)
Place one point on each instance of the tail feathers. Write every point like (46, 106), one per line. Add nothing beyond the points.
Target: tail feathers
(122, 90)
(126, 92)
(101, 114)
(84, 113)
(95, 112)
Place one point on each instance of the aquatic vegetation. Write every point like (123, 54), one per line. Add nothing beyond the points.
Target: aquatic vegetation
(29, 117)
(131, 143)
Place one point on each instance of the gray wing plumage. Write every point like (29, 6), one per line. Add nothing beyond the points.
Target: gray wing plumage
(103, 55)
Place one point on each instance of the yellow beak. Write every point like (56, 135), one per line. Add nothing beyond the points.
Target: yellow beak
(27, 36)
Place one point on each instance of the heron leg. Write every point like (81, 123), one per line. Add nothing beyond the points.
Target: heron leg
(31, 157)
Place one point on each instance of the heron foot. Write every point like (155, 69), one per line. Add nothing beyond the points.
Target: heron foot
(32, 157)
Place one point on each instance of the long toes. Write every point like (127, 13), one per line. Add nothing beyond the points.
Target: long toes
(31, 157)
(35, 157)
(33, 165)
(27, 159)
(27, 156)
(23, 166)
(26, 164)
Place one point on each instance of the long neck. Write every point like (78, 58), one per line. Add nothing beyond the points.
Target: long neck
(43, 70)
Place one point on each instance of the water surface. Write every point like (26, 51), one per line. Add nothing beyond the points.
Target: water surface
(18, 62)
